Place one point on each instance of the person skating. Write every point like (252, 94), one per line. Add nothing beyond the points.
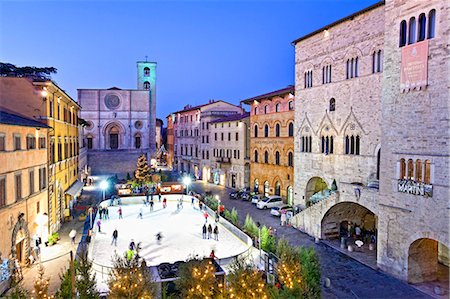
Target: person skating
(192, 200)
(151, 205)
(159, 197)
(204, 231)
(212, 255)
(132, 245)
(99, 225)
(216, 233)
(159, 238)
(209, 231)
(106, 213)
(140, 213)
(206, 215)
(181, 202)
(120, 213)
(114, 237)
(165, 203)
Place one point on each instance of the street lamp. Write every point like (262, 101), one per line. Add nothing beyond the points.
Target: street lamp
(259, 239)
(104, 185)
(187, 182)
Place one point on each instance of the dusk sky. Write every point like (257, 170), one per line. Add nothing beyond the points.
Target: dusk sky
(229, 50)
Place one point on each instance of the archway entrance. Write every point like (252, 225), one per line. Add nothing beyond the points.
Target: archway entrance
(266, 188)
(256, 186)
(21, 241)
(114, 138)
(314, 186)
(428, 265)
(277, 188)
(347, 223)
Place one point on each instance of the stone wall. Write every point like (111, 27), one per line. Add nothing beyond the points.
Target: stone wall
(113, 162)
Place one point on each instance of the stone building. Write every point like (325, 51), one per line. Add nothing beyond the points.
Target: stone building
(272, 143)
(45, 101)
(170, 142)
(191, 131)
(372, 134)
(230, 151)
(23, 184)
(159, 133)
(122, 123)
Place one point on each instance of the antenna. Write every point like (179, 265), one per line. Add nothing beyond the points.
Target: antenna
(146, 58)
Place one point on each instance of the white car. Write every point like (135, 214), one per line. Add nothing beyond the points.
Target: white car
(256, 198)
(276, 211)
(270, 202)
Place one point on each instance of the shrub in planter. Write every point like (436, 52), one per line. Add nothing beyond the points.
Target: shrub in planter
(268, 243)
(250, 227)
(234, 217)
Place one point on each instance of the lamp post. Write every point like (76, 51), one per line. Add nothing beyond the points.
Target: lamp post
(104, 185)
(259, 239)
(187, 182)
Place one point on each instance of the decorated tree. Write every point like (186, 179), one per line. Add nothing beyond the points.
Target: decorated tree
(130, 278)
(85, 282)
(143, 171)
(65, 289)
(197, 280)
(310, 272)
(41, 284)
(245, 281)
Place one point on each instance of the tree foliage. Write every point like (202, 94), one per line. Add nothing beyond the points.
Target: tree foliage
(130, 278)
(41, 284)
(143, 171)
(10, 70)
(85, 282)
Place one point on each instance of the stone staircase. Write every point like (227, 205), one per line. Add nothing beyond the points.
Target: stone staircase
(309, 220)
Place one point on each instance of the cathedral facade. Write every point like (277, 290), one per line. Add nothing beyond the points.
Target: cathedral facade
(121, 123)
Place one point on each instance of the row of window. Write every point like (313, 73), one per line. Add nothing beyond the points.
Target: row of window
(418, 171)
(352, 69)
(17, 144)
(229, 125)
(266, 108)
(290, 161)
(18, 184)
(226, 153)
(425, 30)
(277, 130)
(68, 115)
(229, 136)
(352, 144)
(71, 149)
(188, 118)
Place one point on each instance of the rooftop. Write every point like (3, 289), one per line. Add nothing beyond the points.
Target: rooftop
(289, 89)
(232, 117)
(7, 118)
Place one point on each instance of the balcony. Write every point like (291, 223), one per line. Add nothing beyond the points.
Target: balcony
(224, 160)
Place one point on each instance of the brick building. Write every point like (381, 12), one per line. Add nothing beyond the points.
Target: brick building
(272, 143)
(372, 134)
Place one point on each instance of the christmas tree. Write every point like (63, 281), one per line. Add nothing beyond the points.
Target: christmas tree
(41, 284)
(245, 281)
(85, 283)
(130, 279)
(198, 280)
(143, 172)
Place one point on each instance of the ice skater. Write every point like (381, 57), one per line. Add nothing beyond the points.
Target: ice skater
(140, 213)
(114, 237)
(212, 255)
(159, 238)
(132, 245)
(151, 205)
(209, 231)
(120, 213)
(192, 200)
(204, 231)
(206, 215)
(159, 196)
(99, 225)
(216, 233)
(165, 203)
(181, 202)
(106, 213)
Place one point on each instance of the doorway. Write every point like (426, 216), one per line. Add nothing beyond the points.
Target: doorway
(114, 140)
(233, 181)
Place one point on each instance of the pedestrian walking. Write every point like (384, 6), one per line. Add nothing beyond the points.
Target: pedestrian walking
(99, 225)
(206, 215)
(216, 233)
(283, 218)
(192, 200)
(164, 202)
(358, 232)
(209, 231)
(146, 197)
(200, 205)
(159, 238)
(72, 235)
(114, 237)
(159, 196)
(204, 231)
(212, 255)
(151, 205)
(120, 213)
(217, 217)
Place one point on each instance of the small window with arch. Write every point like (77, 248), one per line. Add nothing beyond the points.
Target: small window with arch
(146, 71)
(332, 104)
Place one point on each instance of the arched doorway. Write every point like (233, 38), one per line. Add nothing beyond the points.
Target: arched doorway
(428, 261)
(314, 186)
(113, 137)
(20, 247)
(277, 188)
(266, 188)
(256, 186)
(290, 195)
(352, 222)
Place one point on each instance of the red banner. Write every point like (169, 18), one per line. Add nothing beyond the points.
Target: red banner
(414, 68)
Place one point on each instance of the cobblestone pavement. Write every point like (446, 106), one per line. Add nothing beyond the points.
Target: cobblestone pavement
(349, 278)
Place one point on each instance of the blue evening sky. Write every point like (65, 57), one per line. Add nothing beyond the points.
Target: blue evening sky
(229, 50)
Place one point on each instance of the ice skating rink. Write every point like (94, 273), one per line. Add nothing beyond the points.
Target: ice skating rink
(181, 231)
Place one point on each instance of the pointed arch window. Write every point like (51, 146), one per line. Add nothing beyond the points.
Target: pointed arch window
(266, 130)
(402, 39)
(146, 71)
(277, 158)
(277, 107)
(266, 109)
(266, 157)
(422, 27)
(290, 159)
(431, 23)
(412, 31)
(277, 130)
(256, 131)
(146, 85)
(410, 170)
(256, 156)
(402, 169)
(418, 170)
(427, 172)
(332, 104)
(291, 129)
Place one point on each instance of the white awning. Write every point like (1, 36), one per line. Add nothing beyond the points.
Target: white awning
(75, 189)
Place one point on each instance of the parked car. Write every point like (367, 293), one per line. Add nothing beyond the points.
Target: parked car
(256, 198)
(270, 202)
(234, 194)
(276, 211)
(244, 195)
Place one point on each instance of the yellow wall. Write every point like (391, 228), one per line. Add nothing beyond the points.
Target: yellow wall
(21, 162)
